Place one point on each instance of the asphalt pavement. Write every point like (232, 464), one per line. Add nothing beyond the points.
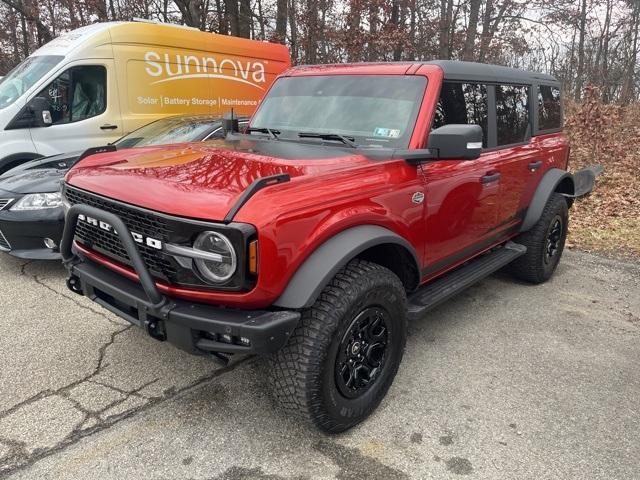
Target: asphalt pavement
(506, 381)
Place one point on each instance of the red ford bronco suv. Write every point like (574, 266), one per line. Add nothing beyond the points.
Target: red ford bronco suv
(360, 196)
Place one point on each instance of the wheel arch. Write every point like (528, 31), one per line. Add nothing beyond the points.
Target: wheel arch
(20, 157)
(368, 242)
(554, 180)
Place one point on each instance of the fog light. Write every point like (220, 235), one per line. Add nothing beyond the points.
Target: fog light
(226, 338)
(245, 341)
(49, 243)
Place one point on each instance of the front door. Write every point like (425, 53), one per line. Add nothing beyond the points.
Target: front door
(462, 196)
(84, 109)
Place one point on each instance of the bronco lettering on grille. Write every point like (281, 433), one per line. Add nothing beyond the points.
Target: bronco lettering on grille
(137, 237)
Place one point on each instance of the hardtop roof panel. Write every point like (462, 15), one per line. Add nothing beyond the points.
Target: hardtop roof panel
(457, 70)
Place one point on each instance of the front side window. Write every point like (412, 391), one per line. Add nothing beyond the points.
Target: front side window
(512, 114)
(24, 76)
(373, 110)
(463, 103)
(77, 94)
(549, 108)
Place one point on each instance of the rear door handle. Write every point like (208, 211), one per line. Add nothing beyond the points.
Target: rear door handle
(108, 126)
(533, 166)
(490, 177)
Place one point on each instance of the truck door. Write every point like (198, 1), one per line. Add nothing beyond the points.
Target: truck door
(517, 156)
(84, 109)
(462, 196)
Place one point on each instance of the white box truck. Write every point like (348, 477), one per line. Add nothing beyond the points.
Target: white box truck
(92, 85)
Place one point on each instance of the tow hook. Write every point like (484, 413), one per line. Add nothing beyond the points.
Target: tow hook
(155, 329)
(73, 284)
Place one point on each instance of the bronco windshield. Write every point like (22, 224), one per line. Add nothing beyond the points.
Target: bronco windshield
(371, 110)
(24, 76)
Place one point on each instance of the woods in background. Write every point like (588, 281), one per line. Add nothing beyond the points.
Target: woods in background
(582, 42)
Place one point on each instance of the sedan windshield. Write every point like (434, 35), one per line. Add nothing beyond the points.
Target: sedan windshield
(170, 130)
(24, 76)
(369, 110)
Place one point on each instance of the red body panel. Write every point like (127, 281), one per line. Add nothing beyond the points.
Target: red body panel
(459, 218)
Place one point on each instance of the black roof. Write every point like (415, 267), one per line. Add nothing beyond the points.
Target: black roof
(482, 72)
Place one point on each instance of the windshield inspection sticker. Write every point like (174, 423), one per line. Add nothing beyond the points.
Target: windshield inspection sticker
(386, 132)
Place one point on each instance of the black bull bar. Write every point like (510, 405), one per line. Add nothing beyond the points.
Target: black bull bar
(194, 327)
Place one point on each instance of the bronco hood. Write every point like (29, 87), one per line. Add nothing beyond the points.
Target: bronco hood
(201, 180)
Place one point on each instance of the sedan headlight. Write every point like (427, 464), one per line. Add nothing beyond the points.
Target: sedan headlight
(222, 263)
(38, 201)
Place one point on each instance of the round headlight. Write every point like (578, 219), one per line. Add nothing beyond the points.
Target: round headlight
(224, 266)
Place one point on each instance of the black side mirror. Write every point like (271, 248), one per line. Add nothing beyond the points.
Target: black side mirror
(39, 107)
(456, 141)
(230, 123)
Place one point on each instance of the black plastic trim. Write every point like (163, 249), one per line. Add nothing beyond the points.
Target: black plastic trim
(548, 184)
(323, 264)
(252, 189)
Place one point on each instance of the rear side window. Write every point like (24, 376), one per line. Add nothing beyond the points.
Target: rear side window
(549, 108)
(512, 114)
(463, 103)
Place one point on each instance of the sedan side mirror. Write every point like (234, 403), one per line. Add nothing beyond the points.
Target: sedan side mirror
(41, 114)
(456, 141)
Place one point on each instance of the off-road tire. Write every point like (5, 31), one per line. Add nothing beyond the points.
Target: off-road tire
(303, 373)
(535, 266)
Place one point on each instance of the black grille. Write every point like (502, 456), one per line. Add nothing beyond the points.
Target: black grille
(139, 221)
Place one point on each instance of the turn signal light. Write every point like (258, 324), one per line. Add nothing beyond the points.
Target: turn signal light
(253, 257)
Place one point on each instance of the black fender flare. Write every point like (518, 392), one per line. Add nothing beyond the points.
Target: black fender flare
(548, 184)
(321, 266)
(25, 156)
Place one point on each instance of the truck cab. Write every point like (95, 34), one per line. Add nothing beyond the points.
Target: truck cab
(359, 197)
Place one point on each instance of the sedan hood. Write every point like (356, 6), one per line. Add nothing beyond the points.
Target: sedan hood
(203, 180)
(61, 161)
(42, 180)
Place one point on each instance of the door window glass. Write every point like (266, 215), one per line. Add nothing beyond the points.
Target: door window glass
(77, 94)
(463, 103)
(549, 110)
(512, 114)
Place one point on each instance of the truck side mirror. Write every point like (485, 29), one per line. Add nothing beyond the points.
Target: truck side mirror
(457, 141)
(39, 107)
(230, 123)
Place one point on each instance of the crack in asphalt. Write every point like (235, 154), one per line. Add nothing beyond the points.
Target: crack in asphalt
(19, 457)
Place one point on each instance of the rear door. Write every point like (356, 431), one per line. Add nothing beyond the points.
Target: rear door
(517, 157)
(84, 109)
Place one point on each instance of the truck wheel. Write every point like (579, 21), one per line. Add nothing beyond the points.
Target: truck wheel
(344, 354)
(544, 242)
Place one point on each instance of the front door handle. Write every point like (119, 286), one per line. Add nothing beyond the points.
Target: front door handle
(108, 126)
(490, 177)
(533, 166)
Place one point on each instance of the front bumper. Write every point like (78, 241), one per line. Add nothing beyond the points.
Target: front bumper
(25, 232)
(195, 328)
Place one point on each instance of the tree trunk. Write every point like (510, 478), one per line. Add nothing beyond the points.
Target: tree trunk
(281, 21)
(293, 25)
(446, 13)
(472, 30)
(580, 72)
(231, 8)
(372, 53)
(244, 19)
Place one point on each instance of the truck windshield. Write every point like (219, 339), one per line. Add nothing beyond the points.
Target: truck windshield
(370, 110)
(24, 76)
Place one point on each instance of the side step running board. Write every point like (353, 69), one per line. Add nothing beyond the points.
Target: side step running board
(442, 289)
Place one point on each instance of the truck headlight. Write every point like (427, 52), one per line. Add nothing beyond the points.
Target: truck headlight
(223, 262)
(38, 201)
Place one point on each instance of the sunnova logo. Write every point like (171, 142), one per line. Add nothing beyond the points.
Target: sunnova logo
(180, 67)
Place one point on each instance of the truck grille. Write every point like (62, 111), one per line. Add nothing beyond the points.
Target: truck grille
(4, 243)
(137, 220)
(4, 202)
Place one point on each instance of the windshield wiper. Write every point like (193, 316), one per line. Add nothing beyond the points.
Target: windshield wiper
(330, 136)
(274, 133)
